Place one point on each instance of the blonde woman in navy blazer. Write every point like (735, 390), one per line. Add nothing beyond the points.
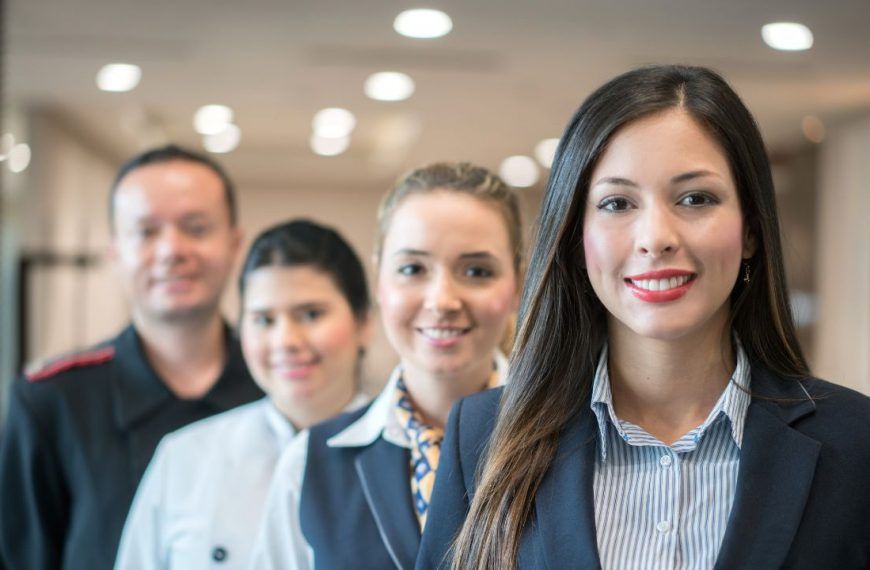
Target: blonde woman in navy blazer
(448, 264)
(659, 412)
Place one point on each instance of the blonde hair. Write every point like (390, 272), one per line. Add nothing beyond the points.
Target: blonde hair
(462, 177)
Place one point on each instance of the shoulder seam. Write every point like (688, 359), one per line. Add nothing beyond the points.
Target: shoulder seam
(90, 358)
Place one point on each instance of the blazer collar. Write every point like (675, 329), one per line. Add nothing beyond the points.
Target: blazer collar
(774, 479)
(777, 464)
(139, 391)
(381, 419)
(564, 506)
(383, 473)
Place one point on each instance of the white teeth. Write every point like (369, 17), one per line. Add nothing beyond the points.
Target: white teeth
(661, 284)
(441, 333)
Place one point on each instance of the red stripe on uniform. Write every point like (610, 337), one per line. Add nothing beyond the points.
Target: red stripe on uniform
(74, 361)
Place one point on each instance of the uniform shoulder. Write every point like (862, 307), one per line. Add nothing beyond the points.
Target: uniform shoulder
(218, 428)
(331, 427)
(837, 404)
(73, 362)
(477, 415)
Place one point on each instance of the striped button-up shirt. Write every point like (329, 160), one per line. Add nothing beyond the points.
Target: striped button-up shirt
(663, 506)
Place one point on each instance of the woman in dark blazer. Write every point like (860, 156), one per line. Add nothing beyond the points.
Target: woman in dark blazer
(659, 412)
(354, 492)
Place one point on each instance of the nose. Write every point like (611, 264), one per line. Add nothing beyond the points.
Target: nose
(172, 244)
(657, 233)
(442, 295)
(287, 335)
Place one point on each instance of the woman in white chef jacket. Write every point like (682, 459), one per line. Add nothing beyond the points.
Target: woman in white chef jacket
(354, 492)
(304, 327)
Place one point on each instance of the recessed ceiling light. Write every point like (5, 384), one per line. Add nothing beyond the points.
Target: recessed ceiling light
(328, 146)
(19, 157)
(389, 86)
(787, 36)
(423, 23)
(333, 122)
(545, 151)
(519, 171)
(212, 119)
(118, 77)
(225, 141)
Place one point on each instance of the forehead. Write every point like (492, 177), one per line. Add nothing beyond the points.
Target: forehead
(288, 285)
(447, 222)
(663, 144)
(169, 189)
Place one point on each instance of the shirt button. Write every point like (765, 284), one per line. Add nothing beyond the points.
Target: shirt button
(219, 554)
(663, 526)
(665, 460)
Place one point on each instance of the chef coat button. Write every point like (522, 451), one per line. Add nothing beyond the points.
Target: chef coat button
(219, 554)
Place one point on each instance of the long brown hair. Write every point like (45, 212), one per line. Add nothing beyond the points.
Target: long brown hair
(562, 324)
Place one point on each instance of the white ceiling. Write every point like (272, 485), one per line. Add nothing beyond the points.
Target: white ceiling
(509, 74)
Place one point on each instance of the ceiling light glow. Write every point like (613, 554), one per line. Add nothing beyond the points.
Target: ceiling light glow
(19, 157)
(212, 119)
(333, 122)
(223, 142)
(519, 171)
(423, 23)
(389, 86)
(119, 77)
(328, 146)
(787, 36)
(545, 151)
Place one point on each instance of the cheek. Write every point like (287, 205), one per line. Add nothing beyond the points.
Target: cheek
(336, 338)
(595, 248)
(255, 352)
(497, 303)
(724, 242)
(397, 304)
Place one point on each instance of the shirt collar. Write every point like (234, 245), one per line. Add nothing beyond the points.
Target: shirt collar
(283, 429)
(733, 403)
(380, 418)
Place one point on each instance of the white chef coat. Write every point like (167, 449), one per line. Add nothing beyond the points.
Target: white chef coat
(280, 543)
(199, 503)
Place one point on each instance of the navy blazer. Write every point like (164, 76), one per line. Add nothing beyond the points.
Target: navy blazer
(802, 498)
(357, 509)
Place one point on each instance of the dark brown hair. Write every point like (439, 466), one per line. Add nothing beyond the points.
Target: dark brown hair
(562, 324)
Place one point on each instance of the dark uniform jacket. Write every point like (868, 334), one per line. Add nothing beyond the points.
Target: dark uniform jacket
(79, 434)
(802, 498)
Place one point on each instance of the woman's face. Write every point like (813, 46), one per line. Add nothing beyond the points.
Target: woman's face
(663, 231)
(446, 283)
(300, 339)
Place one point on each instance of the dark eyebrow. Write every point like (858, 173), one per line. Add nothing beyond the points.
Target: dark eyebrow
(616, 180)
(477, 255)
(410, 251)
(685, 177)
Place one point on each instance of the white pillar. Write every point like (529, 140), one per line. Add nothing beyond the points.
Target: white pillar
(842, 338)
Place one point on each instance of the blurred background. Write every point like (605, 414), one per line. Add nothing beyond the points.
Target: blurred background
(493, 82)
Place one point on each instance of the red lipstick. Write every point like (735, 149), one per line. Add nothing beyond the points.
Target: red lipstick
(660, 286)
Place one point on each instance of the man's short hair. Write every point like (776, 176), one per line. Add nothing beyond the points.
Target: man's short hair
(169, 153)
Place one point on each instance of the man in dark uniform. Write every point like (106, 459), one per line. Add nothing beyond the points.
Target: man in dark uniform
(81, 430)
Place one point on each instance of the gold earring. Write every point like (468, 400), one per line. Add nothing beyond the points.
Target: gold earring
(746, 275)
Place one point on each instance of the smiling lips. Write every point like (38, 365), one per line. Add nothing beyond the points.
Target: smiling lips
(661, 286)
(295, 370)
(443, 337)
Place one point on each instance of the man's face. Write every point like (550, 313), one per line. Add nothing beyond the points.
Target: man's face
(173, 241)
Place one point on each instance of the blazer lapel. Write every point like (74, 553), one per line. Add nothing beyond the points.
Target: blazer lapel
(564, 507)
(776, 470)
(384, 473)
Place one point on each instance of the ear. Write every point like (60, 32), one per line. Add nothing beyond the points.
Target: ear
(237, 237)
(367, 330)
(750, 245)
